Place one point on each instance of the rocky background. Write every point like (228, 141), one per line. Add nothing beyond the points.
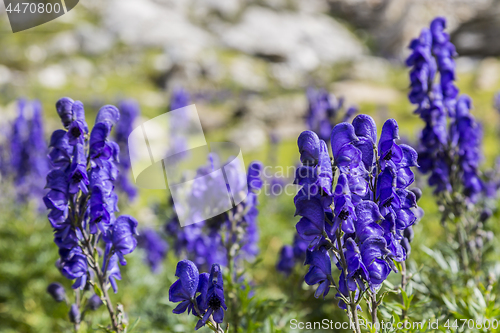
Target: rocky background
(244, 61)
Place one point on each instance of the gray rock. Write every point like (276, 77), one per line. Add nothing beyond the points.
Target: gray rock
(479, 36)
(488, 74)
(160, 24)
(393, 23)
(361, 92)
(244, 72)
(300, 39)
(94, 40)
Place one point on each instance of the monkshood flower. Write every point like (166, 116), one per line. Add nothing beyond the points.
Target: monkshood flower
(155, 246)
(83, 204)
(291, 255)
(450, 145)
(451, 135)
(129, 111)
(199, 294)
(361, 219)
(24, 152)
(56, 290)
(323, 112)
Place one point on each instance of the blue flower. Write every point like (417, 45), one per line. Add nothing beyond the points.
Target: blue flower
(286, 260)
(74, 266)
(156, 247)
(56, 290)
(213, 301)
(312, 224)
(344, 208)
(74, 314)
(64, 108)
(94, 302)
(184, 289)
(309, 147)
(122, 236)
(78, 179)
(113, 271)
(320, 271)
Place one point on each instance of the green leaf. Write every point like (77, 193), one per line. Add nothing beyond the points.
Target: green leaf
(134, 324)
(98, 291)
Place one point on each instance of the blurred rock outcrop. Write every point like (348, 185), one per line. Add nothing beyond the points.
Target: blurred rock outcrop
(393, 23)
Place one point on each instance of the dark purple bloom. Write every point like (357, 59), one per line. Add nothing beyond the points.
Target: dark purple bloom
(344, 208)
(184, 289)
(286, 260)
(98, 145)
(155, 246)
(320, 271)
(108, 114)
(179, 99)
(254, 177)
(56, 290)
(214, 302)
(94, 302)
(78, 179)
(122, 236)
(312, 224)
(309, 147)
(64, 108)
(74, 314)
(75, 267)
(113, 272)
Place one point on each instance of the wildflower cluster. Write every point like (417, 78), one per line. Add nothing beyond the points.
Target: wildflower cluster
(82, 202)
(450, 143)
(361, 221)
(226, 237)
(24, 152)
(199, 294)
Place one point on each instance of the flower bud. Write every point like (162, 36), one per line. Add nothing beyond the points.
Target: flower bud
(408, 233)
(94, 302)
(64, 108)
(74, 314)
(485, 215)
(308, 143)
(56, 291)
(417, 192)
(406, 245)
